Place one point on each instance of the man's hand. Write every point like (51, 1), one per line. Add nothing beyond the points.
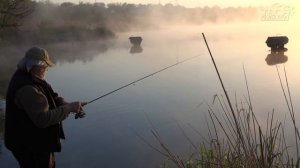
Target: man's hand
(83, 103)
(81, 113)
(74, 107)
(77, 108)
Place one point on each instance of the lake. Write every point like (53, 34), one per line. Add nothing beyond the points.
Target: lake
(173, 102)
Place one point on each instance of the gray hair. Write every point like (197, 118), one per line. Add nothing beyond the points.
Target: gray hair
(26, 64)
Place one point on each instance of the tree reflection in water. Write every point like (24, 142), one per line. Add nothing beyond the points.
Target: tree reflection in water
(60, 53)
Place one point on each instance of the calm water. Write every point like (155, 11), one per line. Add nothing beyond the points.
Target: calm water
(109, 135)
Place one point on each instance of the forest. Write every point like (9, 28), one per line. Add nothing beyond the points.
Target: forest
(47, 22)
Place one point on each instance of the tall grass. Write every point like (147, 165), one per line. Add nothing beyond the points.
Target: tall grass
(237, 139)
(256, 145)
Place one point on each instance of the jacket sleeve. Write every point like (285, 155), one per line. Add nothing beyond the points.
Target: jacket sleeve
(36, 106)
(58, 100)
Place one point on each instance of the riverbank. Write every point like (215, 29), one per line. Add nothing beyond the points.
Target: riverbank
(49, 35)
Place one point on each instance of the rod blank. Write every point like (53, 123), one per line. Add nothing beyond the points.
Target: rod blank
(147, 76)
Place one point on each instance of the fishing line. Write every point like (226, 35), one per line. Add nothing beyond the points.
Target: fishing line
(138, 80)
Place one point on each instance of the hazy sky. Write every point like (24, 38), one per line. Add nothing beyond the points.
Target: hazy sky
(194, 3)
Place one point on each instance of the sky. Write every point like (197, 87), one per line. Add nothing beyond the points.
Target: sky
(194, 3)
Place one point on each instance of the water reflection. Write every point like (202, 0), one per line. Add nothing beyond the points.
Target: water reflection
(82, 51)
(169, 96)
(276, 57)
(136, 49)
(60, 53)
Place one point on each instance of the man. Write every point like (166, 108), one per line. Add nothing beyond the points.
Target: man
(34, 113)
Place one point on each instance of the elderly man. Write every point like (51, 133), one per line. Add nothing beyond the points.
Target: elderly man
(34, 113)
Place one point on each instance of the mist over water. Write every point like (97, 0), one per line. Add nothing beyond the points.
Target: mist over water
(109, 135)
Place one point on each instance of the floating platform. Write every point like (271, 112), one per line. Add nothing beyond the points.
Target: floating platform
(135, 40)
(277, 42)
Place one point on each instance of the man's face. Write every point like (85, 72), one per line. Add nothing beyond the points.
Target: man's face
(39, 71)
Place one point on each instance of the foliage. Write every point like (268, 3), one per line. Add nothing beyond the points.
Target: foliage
(12, 12)
(12, 15)
(100, 20)
(125, 16)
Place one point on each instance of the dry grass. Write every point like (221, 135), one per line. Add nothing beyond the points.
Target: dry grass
(237, 139)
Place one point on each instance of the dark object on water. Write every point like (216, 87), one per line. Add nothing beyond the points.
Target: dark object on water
(137, 40)
(276, 58)
(136, 49)
(277, 42)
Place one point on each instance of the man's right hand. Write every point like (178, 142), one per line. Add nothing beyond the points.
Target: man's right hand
(74, 107)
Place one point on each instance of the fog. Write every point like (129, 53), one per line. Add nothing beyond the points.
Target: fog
(73, 32)
(89, 28)
(124, 17)
(69, 22)
(89, 44)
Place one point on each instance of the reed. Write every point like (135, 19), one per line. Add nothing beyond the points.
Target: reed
(237, 139)
(254, 145)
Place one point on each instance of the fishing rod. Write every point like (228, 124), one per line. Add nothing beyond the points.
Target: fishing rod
(81, 114)
(147, 76)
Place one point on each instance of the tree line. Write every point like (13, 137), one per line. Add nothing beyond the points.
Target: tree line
(69, 21)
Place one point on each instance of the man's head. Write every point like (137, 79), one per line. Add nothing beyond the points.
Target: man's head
(36, 61)
(39, 55)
